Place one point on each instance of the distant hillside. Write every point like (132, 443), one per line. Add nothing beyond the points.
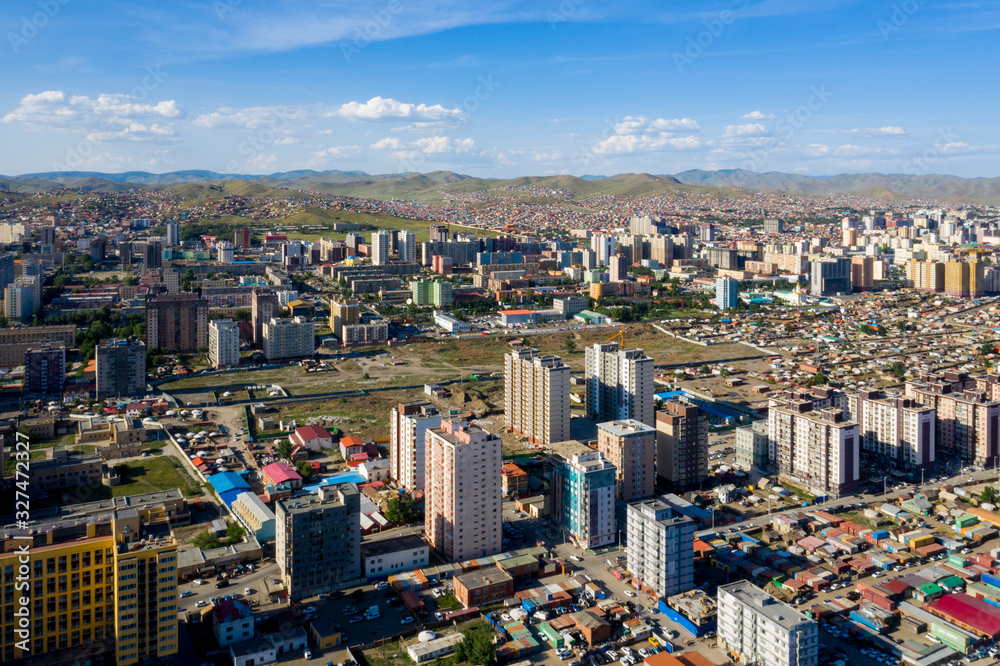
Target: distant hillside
(882, 186)
(436, 185)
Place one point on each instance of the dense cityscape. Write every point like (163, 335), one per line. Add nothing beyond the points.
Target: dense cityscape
(678, 417)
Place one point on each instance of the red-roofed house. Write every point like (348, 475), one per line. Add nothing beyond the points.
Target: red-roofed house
(280, 479)
(233, 621)
(968, 612)
(313, 438)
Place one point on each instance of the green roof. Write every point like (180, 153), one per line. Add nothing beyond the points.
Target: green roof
(951, 582)
(931, 588)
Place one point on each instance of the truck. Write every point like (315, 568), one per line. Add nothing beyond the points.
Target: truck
(372, 612)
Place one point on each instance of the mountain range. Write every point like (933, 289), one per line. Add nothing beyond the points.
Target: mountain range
(438, 185)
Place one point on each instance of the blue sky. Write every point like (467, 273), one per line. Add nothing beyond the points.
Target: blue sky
(515, 88)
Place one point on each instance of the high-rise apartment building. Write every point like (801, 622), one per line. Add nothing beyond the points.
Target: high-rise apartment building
(317, 540)
(408, 424)
(152, 254)
(831, 276)
(774, 226)
(23, 299)
(581, 494)
(964, 279)
(223, 343)
(814, 446)
(177, 322)
(407, 243)
(681, 446)
(603, 246)
(263, 307)
(660, 543)
(102, 584)
(381, 245)
(438, 293)
(752, 448)
(925, 275)
(862, 273)
(6, 270)
(226, 252)
(438, 233)
(727, 293)
(631, 447)
(289, 338)
(894, 431)
(618, 268)
(241, 238)
(463, 510)
(45, 370)
(173, 238)
(121, 369)
(759, 629)
(619, 383)
(536, 396)
(343, 312)
(968, 418)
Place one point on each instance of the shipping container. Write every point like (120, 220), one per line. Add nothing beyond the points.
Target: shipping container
(866, 621)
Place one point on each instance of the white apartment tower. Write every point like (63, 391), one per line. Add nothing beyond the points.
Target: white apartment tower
(759, 629)
(223, 343)
(408, 424)
(536, 396)
(462, 496)
(381, 244)
(619, 384)
(817, 450)
(660, 543)
(407, 246)
(603, 246)
(899, 431)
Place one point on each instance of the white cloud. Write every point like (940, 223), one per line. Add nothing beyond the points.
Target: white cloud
(637, 124)
(254, 117)
(546, 157)
(54, 108)
(133, 131)
(433, 145)
(621, 144)
(386, 108)
(758, 115)
(285, 141)
(845, 150)
(338, 151)
(750, 129)
(391, 143)
(878, 131)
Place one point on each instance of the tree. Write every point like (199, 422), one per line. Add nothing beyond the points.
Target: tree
(898, 368)
(234, 534)
(988, 495)
(987, 348)
(820, 379)
(570, 345)
(284, 449)
(402, 510)
(303, 468)
(206, 540)
(900, 325)
(476, 648)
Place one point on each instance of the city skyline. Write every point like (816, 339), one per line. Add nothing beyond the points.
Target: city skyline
(514, 88)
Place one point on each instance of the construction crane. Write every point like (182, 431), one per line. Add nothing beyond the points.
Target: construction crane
(619, 336)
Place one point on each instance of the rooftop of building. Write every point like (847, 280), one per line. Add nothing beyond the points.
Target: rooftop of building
(391, 544)
(763, 603)
(625, 428)
(483, 577)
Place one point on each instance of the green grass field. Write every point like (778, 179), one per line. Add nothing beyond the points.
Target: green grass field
(146, 476)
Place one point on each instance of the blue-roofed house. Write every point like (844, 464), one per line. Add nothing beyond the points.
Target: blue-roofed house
(228, 485)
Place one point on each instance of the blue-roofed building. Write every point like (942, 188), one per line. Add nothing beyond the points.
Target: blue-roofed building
(228, 485)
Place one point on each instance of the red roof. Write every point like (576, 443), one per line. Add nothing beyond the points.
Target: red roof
(306, 433)
(280, 472)
(351, 440)
(969, 611)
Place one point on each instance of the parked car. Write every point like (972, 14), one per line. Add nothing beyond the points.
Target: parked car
(187, 593)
